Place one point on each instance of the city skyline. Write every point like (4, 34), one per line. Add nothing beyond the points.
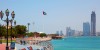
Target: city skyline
(60, 14)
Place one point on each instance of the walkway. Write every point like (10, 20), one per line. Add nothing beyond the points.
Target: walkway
(2, 47)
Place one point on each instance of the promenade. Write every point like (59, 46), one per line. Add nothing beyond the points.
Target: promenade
(35, 43)
(3, 46)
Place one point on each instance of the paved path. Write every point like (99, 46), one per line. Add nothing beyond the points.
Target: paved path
(2, 47)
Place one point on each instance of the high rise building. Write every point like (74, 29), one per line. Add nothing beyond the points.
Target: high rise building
(86, 29)
(57, 33)
(93, 24)
(72, 32)
(69, 32)
(61, 33)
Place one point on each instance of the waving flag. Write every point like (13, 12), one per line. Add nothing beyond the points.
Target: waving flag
(0, 14)
(44, 13)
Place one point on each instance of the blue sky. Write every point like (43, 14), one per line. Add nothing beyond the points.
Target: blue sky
(60, 13)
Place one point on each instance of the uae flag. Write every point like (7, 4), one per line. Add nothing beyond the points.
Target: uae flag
(44, 13)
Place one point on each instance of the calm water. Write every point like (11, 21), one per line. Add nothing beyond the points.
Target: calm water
(77, 43)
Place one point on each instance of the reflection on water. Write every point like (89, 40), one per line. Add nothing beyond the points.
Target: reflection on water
(77, 43)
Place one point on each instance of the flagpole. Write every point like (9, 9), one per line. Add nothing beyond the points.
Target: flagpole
(44, 13)
(33, 27)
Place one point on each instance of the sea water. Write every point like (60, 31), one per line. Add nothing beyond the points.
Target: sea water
(77, 43)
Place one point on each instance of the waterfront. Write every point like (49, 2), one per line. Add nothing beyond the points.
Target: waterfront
(77, 43)
(70, 43)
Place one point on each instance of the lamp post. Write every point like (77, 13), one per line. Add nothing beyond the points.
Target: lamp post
(33, 27)
(11, 29)
(0, 35)
(7, 21)
(1, 16)
(7, 14)
(14, 23)
(15, 26)
(11, 21)
(28, 27)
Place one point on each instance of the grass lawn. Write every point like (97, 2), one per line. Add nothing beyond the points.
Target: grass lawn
(4, 41)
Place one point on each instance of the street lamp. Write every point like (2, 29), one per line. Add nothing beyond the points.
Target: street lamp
(13, 15)
(1, 16)
(0, 35)
(28, 27)
(11, 29)
(7, 14)
(11, 21)
(14, 23)
(7, 21)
